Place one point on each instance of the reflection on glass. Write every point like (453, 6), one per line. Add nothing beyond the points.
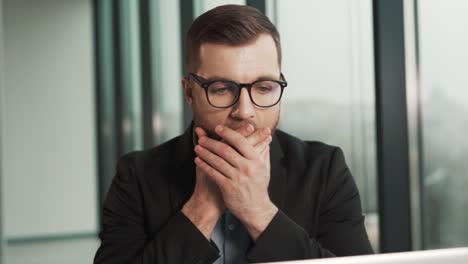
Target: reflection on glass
(328, 61)
(201, 6)
(131, 124)
(443, 42)
(166, 71)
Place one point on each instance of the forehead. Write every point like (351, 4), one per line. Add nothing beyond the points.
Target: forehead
(243, 63)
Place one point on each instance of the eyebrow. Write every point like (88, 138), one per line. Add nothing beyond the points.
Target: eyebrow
(220, 78)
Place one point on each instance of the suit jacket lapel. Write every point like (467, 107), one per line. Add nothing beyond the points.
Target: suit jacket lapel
(182, 170)
(277, 186)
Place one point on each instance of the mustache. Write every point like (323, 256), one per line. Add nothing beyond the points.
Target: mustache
(244, 123)
(233, 126)
(213, 135)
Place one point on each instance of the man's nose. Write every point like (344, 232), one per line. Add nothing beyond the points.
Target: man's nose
(244, 108)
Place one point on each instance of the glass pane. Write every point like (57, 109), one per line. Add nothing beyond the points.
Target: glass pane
(105, 91)
(131, 79)
(443, 42)
(201, 6)
(328, 62)
(166, 70)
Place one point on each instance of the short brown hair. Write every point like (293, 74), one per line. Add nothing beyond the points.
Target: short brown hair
(227, 24)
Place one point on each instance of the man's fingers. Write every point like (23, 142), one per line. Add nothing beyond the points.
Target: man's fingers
(260, 147)
(237, 141)
(215, 161)
(200, 132)
(259, 136)
(215, 175)
(247, 140)
(221, 149)
(246, 130)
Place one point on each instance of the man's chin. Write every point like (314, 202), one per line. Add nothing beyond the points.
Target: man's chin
(212, 134)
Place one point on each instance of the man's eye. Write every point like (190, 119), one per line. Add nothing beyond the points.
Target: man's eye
(263, 89)
(220, 90)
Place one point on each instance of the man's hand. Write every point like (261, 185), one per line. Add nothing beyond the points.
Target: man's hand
(242, 173)
(206, 205)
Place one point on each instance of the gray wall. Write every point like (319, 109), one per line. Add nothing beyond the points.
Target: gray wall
(48, 152)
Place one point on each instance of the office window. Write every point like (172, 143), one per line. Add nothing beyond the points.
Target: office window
(166, 70)
(328, 62)
(443, 42)
(201, 6)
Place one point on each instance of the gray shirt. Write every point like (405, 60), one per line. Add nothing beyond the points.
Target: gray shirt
(231, 238)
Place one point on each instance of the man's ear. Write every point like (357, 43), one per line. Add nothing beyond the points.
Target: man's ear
(187, 91)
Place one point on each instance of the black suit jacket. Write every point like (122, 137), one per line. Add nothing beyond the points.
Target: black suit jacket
(319, 207)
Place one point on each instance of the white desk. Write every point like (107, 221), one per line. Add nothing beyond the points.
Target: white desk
(439, 256)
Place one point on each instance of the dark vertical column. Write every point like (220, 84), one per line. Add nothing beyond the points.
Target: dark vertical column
(259, 4)
(186, 18)
(392, 130)
(118, 76)
(146, 73)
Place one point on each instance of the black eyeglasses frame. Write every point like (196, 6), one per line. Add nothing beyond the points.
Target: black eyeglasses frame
(205, 84)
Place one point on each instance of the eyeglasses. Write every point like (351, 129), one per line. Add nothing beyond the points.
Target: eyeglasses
(226, 93)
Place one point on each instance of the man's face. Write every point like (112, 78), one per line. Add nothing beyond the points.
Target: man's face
(241, 64)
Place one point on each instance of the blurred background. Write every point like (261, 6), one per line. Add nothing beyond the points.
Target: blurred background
(83, 82)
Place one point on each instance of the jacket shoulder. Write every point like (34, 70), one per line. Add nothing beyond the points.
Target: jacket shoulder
(159, 155)
(304, 150)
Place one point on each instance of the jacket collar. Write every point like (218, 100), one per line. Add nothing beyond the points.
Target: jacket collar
(183, 166)
(278, 173)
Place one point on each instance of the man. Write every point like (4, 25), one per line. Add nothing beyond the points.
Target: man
(232, 188)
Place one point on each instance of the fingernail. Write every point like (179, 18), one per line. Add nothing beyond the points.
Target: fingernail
(219, 128)
(250, 128)
(198, 148)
